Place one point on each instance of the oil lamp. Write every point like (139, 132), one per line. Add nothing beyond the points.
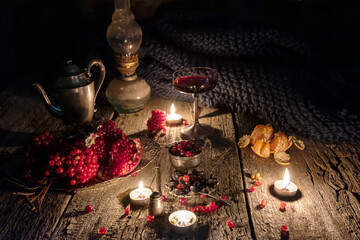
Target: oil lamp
(126, 92)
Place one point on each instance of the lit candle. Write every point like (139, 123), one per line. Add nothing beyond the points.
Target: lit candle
(182, 221)
(140, 196)
(173, 118)
(285, 188)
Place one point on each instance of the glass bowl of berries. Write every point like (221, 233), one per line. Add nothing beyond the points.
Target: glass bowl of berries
(185, 155)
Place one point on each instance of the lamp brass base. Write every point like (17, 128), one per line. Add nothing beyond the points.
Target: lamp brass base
(126, 64)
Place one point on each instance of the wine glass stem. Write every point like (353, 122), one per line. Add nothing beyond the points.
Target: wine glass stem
(196, 109)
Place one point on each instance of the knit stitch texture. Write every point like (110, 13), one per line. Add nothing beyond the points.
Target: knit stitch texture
(263, 69)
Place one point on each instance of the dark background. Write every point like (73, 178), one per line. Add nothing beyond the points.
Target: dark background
(37, 36)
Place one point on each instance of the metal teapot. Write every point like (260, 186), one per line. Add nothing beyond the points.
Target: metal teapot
(74, 93)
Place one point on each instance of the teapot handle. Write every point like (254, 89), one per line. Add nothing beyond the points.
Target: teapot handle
(99, 64)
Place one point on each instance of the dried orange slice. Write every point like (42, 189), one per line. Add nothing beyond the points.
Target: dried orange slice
(290, 142)
(279, 142)
(282, 158)
(261, 149)
(261, 132)
(244, 141)
(299, 143)
(268, 133)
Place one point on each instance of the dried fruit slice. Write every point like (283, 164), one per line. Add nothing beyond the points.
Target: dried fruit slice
(299, 143)
(290, 142)
(282, 158)
(261, 132)
(279, 142)
(244, 141)
(261, 149)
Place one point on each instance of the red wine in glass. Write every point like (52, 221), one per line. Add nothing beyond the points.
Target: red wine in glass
(195, 80)
(194, 84)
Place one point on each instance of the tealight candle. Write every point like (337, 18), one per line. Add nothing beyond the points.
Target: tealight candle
(285, 188)
(140, 196)
(182, 221)
(173, 118)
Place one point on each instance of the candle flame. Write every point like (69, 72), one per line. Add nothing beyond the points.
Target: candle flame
(286, 178)
(141, 187)
(182, 218)
(172, 110)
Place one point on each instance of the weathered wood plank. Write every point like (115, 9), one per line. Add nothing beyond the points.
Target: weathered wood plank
(109, 201)
(22, 114)
(327, 176)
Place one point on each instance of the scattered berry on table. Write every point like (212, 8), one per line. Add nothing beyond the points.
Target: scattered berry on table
(89, 208)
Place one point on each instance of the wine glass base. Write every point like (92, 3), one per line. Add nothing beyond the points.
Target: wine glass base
(196, 131)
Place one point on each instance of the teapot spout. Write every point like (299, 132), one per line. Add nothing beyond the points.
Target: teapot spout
(55, 111)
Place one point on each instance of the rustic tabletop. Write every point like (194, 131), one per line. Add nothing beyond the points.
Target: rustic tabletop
(327, 206)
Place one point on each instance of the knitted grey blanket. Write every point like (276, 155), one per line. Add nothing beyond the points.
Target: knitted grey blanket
(265, 70)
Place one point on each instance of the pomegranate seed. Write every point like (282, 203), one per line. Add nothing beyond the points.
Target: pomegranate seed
(89, 208)
(127, 210)
(284, 228)
(223, 197)
(72, 182)
(183, 201)
(198, 208)
(102, 230)
(150, 218)
(230, 224)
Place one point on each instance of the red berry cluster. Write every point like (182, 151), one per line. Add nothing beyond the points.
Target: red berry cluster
(185, 148)
(157, 121)
(123, 152)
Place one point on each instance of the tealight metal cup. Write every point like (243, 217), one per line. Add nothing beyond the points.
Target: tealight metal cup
(185, 229)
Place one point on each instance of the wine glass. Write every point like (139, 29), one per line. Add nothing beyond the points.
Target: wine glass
(195, 80)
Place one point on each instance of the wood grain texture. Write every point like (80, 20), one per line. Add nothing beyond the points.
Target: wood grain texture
(327, 176)
(110, 201)
(22, 114)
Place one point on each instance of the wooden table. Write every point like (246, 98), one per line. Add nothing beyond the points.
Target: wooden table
(327, 176)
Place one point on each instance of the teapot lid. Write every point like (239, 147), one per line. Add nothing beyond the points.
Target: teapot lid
(69, 69)
(71, 76)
